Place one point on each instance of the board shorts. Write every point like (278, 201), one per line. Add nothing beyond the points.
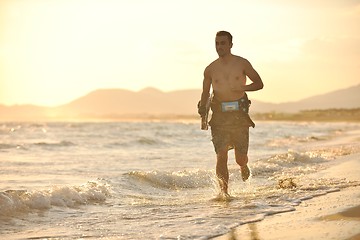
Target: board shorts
(231, 138)
(230, 129)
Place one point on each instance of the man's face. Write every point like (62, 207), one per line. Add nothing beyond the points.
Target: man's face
(223, 46)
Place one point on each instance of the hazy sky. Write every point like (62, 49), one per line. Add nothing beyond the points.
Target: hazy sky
(53, 51)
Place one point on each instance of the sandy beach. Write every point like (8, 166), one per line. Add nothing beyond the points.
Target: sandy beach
(335, 215)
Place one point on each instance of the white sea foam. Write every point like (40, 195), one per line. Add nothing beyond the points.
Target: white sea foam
(175, 180)
(15, 202)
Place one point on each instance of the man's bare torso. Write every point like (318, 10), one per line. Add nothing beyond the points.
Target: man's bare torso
(227, 78)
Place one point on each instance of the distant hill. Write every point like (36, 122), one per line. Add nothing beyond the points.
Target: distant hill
(23, 112)
(119, 103)
(344, 98)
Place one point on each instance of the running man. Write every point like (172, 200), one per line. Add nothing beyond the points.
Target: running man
(230, 121)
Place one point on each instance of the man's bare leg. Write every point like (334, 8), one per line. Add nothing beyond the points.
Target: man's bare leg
(242, 160)
(222, 171)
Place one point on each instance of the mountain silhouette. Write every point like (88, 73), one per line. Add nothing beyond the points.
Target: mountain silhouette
(118, 103)
(344, 98)
(124, 102)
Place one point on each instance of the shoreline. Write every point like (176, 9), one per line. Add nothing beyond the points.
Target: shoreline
(335, 215)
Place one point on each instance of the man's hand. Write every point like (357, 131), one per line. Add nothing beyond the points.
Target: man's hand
(201, 109)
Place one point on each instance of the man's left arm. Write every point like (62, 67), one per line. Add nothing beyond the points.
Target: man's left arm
(257, 83)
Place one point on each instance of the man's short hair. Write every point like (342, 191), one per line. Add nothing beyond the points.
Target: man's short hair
(225, 33)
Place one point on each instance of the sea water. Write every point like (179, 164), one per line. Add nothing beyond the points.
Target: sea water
(155, 180)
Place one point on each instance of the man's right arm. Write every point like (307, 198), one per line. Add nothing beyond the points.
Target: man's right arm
(205, 93)
(206, 87)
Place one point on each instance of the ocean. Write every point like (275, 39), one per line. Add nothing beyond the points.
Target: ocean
(156, 180)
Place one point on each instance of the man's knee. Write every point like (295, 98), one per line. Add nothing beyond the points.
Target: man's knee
(241, 159)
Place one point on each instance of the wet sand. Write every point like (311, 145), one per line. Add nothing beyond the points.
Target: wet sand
(332, 216)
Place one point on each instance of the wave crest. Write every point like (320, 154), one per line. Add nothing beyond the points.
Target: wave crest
(15, 202)
(175, 180)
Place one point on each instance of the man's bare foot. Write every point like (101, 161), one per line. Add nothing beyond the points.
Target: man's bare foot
(223, 186)
(245, 173)
(224, 195)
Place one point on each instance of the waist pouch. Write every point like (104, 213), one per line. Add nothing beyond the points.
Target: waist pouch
(234, 113)
(242, 105)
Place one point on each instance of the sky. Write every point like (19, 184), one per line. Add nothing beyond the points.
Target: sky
(54, 51)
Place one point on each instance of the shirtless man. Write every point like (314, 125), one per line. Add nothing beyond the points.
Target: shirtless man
(230, 121)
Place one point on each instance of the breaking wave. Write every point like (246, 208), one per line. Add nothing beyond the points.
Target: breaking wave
(174, 180)
(17, 202)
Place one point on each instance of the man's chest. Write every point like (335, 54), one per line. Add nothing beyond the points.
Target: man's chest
(228, 72)
(221, 76)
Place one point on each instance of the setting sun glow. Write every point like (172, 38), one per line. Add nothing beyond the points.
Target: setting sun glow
(53, 51)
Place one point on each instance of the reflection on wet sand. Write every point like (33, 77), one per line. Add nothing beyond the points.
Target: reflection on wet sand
(233, 235)
(349, 214)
